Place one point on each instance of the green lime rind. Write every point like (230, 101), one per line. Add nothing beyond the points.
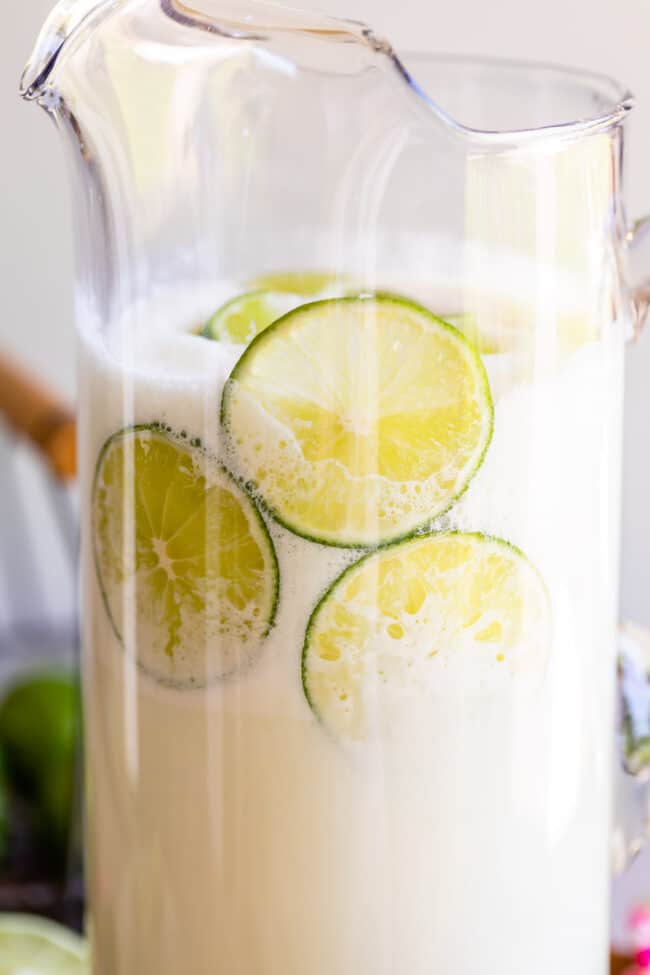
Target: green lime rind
(183, 441)
(282, 323)
(243, 317)
(376, 555)
(40, 947)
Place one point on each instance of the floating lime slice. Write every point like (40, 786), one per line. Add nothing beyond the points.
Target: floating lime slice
(244, 317)
(356, 420)
(498, 325)
(307, 284)
(33, 946)
(184, 560)
(433, 608)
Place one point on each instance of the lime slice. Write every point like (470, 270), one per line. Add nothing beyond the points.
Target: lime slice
(356, 420)
(245, 316)
(307, 284)
(497, 324)
(185, 563)
(439, 612)
(33, 946)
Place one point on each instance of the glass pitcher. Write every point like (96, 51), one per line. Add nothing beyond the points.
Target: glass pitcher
(351, 336)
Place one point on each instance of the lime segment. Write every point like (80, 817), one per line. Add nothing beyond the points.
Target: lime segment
(307, 284)
(434, 612)
(184, 560)
(357, 420)
(33, 946)
(245, 316)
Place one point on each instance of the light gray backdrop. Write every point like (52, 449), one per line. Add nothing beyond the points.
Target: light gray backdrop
(612, 36)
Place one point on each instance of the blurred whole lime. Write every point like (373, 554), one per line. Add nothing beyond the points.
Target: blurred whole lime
(4, 809)
(39, 721)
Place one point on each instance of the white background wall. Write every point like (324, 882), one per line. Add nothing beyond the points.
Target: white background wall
(612, 36)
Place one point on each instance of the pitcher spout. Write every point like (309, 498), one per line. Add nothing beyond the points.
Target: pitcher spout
(64, 22)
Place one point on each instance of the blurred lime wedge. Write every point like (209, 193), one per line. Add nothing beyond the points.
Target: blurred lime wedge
(33, 946)
(39, 723)
(244, 317)
(39, 727)
(4, 809)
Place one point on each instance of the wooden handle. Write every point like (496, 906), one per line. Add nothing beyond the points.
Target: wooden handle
(619, 964)
(32, 410)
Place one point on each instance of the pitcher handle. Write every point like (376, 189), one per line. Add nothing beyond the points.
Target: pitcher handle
(637, 271)
(632, 762)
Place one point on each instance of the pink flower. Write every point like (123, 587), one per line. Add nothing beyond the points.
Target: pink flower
(640, 925)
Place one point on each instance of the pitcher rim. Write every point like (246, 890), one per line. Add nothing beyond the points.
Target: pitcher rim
(617, 100)
(620, 97)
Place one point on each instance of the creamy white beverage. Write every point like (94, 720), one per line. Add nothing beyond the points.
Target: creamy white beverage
(348, 640)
